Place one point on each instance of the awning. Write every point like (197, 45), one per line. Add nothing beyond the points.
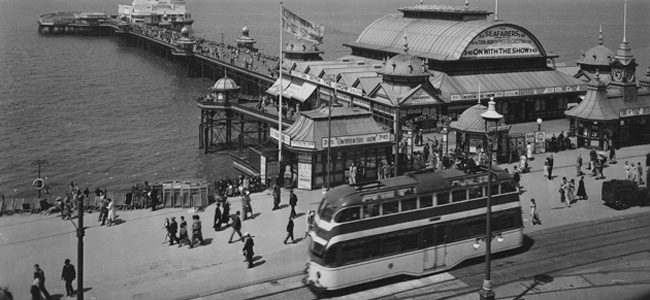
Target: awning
(512, 84)
(275, 88)
(301, 92)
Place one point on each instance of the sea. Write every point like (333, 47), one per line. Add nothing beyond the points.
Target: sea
(107, 116)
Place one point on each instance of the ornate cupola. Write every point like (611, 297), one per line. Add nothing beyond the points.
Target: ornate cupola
(302, 52)
(596, 58)
(405, 69)
(245, 41)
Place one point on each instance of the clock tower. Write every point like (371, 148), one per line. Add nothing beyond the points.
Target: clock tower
(623, 68)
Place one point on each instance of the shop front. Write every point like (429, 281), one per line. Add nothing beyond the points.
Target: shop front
(355, 139)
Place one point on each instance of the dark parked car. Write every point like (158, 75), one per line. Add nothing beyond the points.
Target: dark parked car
(621, 194)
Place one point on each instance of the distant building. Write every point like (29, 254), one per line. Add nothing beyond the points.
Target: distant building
(168, 13)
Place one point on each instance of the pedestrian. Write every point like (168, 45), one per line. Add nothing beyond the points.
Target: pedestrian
(289, 231)
(563, 192)
(246, 204)
(579, 165)
(217, 217)
(183, 236)
(627, 168)
(639, 169)
(529, 151)
(248, 249)
(352, 174)
(550, 167)
(592, 157)
(87, 194)
(571, 191)
(276, 196)
(166, 228)
(582, 193)
(40, 276)
(554, 143)
(612, 155)
(98, 197)
(516, 178)
(196, 231)
(6, 295)
(560, 139)
(225, 215)
(110, 207)
(293, 201)
(600, 164)
(534, 214)
(103, 211)
(172, 229)
(236, 227)
(546, 170)
(35, 291)
(311, 215)
(68, 275)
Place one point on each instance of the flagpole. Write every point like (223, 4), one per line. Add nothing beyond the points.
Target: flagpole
(329, 137)
(280, 102)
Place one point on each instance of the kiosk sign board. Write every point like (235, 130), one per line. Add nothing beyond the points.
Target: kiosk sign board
(304, 176)
(356, 140)
(540, 142)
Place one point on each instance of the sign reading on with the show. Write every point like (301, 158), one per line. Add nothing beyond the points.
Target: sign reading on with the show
(501, 41)
(357, 140)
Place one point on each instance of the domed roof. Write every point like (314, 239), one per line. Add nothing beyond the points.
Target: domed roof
(185, 30)
(471, 120)
(244, 29)
(645, 80)
(596, 83)
(224, 84)
(599, 55)
(404, 64)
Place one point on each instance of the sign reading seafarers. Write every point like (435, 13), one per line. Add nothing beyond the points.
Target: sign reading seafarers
(501, 41)
(357, 140)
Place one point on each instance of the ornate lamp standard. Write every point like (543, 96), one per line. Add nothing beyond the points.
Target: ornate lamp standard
(38, 163)
(490, 116)
(539, 124)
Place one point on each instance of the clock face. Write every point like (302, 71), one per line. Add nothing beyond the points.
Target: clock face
(629, 77)
(618, 75)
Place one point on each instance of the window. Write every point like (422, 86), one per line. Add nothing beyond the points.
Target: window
(390, 207)
(468, 228)
(434, 236)
(426, 201)
(326, 211)
(507, 187)
(370, 210)
(458, 195)
(410, 241)
(443, 198)
(495, 189)
(348, 214)
(330, 256)
(390, 245)
(475, 192)
(351, 253)
(371, 248)
(409, 204)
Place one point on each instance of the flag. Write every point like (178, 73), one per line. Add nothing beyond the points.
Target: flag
(301, 28)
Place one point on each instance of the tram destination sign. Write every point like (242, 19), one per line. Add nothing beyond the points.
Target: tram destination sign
(357, 140)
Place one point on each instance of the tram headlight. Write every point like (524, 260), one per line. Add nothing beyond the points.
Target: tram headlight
(500, 238)
(476, 244)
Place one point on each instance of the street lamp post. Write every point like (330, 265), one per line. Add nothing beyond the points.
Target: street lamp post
(539, 124)
(80, 250)
(491, 115)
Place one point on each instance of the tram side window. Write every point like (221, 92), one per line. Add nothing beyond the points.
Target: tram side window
(426, 201)
(507, 187)
(410, 241)
(443, 198)
(468, 228)
(458, 195)
(330, 256)
(495, 189)
(507, 220)
(390, 207)
(434, 236)
(409, 204)
(390, 245)
(348, 214)
(371, 248)
(370, 210)
(475, 192)
(351, 253)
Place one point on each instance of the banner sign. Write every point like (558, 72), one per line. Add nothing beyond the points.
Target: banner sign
(499, 42)
(636, 111)
(275, 134)
(357, 140)
(301, 28)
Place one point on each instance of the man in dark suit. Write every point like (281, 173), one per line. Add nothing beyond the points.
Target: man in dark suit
(248, 249)
(236, 227)
(550, 167)
(217, 217)
(173, 228)
(293, 201)
(289, 231)
(68, 275)
(40, 275)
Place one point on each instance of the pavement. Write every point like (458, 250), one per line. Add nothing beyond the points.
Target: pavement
(128, 261)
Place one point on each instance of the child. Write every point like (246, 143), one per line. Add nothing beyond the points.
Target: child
(534, 215)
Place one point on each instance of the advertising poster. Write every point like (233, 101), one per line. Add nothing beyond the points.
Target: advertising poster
(540, 142)
(304, 176)
(263, 169)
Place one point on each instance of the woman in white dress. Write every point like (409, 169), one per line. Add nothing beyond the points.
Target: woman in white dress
(111, 211)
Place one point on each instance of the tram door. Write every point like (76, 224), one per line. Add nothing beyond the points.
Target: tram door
(435, 251)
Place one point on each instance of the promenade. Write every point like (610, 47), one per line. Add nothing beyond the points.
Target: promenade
(128, 261)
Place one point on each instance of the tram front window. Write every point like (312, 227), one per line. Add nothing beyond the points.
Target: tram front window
(326, 212)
